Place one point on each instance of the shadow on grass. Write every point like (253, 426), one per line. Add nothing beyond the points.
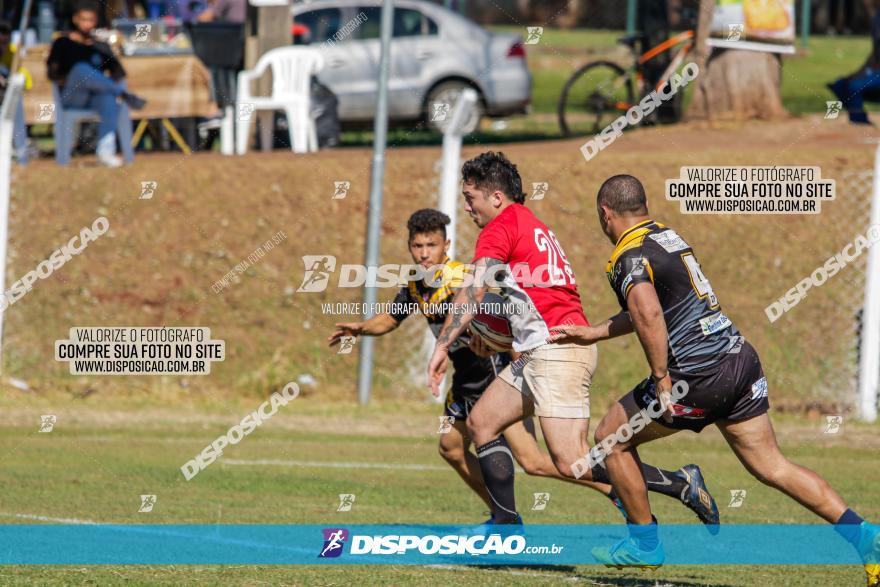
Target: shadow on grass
(422, 138)
(645, 578)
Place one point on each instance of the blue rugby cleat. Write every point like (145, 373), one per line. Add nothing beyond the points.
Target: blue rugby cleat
(697, 497)
(489, 526)
(869, 550)
(490, 522)
(626, 553)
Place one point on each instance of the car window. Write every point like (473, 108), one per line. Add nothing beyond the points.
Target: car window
(317, 26)
(430, 26)
(372, 24)
(407, 23)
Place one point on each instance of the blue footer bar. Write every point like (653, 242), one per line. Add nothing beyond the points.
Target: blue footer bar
(166, 544)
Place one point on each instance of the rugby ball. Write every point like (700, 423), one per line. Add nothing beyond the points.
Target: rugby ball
(491, 324)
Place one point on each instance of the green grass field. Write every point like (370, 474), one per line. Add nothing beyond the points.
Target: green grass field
(117, 438)
(103, 454)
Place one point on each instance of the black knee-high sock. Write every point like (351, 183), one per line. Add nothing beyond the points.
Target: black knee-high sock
(496, 464)
(658, 480)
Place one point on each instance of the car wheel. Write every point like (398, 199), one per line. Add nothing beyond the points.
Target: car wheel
(440, 103)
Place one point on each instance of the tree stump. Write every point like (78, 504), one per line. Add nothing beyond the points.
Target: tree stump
(738, 85)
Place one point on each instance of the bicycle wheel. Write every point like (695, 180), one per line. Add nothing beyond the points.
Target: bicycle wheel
(595, 95)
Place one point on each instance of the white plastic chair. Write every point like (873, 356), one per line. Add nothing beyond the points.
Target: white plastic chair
(292, 71)
(67, 119)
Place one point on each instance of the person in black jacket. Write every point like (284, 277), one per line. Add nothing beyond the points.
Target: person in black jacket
(90, 76)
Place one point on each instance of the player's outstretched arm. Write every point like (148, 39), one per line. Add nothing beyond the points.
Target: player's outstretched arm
(376, 326)
(650, 326)
(617, 325)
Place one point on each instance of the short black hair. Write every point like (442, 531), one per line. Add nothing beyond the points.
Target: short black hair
(492, 171)
(427, 220)
(87, 6)
(624, 194)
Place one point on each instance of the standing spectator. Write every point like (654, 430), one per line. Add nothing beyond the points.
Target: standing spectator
(7, 56)
(225, 10)
(90, 76)
(189, 10)
(223, 79)
(850, 90)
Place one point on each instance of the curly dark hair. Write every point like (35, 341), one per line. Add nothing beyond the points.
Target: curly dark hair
(427, 220)
(492, 171)
(87, 6)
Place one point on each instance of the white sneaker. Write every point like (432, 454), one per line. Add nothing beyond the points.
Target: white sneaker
(106, 151)
(112, 161)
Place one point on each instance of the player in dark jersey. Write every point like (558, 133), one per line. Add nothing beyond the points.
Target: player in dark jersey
(668, 301)
(473, 373)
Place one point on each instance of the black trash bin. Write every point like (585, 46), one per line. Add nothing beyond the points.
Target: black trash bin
(325, 111)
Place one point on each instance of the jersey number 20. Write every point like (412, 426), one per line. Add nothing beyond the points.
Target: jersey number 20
(558, 267)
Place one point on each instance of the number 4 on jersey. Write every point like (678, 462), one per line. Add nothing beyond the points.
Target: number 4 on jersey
(698, 280)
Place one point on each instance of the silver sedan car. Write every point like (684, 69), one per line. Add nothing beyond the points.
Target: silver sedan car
(435, 54)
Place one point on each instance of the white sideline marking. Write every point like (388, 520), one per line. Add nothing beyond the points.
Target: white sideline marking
(335, 465)
(338, 465)
(47, 518)
(517, 573)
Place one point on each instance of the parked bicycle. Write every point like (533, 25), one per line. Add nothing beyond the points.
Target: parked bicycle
(601, 91)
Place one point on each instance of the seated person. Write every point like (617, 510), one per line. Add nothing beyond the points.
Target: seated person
(850, 90)
(79, 64)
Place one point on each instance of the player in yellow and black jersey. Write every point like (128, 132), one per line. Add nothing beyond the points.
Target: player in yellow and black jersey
(702, 372)
(700, 335)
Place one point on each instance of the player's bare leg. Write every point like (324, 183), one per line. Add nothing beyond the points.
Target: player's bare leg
(567, 442)
(623, 463)
(453, 448)
(500, 406)
(524, 446)
(754, 443)
(627, 473)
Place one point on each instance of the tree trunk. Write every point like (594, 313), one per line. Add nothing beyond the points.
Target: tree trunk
(738, 85)
(733, 84)
(570, 14)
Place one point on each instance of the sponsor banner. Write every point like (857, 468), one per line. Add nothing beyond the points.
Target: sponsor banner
(754, 25)
(239, 544)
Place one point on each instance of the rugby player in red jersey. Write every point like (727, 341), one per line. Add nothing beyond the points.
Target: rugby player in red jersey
(521, 255)
(475, 367)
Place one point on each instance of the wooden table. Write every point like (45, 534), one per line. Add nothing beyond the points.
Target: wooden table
(175, 86)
